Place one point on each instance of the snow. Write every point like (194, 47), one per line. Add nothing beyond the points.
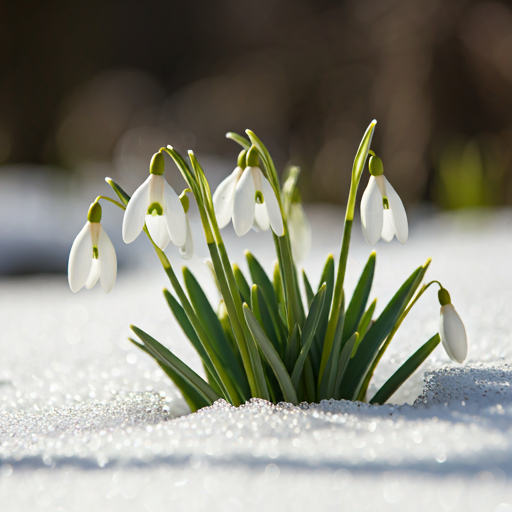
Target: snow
(87, 421)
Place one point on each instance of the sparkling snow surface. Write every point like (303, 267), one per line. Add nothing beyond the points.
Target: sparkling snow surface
(87, 422)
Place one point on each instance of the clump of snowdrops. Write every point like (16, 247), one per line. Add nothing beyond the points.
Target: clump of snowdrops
(267, 339)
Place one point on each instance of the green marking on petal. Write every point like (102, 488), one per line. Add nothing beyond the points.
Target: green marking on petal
(95, 253)
(259, 197)
(155, 209)
(385, 203)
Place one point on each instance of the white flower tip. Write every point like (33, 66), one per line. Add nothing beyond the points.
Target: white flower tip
(453, 334)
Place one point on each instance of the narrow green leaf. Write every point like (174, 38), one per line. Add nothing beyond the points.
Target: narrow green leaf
(375, 336)
(364, 324)
(292, 349)
(193, 398)
(327, 385)
(343, 361)
(357, 305)
(213, 328)
(121, 194)
(163, 354)
(405, 371)
(310, 294)
(242, 284)
(272, 356)
(320, 352)
(239, 139)
(261, 311)
(308, 334)
(362, 152)
(279, 291)
(260, 277)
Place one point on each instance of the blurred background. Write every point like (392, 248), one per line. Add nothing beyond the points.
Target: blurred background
(93, 89)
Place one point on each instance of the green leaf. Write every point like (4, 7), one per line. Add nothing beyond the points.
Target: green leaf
(193, 398)
(121, 194)
(327, 385)
(364, 324)
(163, 354)
(318, 349)
(292, 349)
(375, 337)
(310, 294)
(279, 291)
(260, 309)
(239, 139)
(357, 305)
(405, 371)
(213, 328)
(308, 334)
(259, 277)
(343, 361)
(272, 356)
(242, 284)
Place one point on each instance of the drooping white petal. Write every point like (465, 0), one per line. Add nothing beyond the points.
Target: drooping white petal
(224, 198)
(187, 251)
(108, 262)
(388, 228)
(94, 274)
(175, 216)
(157, 227)
(273, 210)
(261, 222)
(135, 213)
(300, 232)
(244, 204)
(398, 215)
(372, 212)
(80, 259)
(453, 334)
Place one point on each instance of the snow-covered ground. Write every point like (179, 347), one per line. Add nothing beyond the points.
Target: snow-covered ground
(89, 423)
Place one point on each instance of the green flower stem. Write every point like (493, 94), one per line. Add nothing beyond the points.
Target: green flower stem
(113, 201)
(229, 289)
(374, 364)
(357, 171)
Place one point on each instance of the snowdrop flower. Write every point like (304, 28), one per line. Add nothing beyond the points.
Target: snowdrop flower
(382, 211)
(187, 250)
(156, 204)
(451, 329)
(92, 256)
(248, 198)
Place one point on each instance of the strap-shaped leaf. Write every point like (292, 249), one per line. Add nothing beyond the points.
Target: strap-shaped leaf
(213, 328)
(163, 354)
(317, 352)
(310, 294)
(405, 371)
(238, 139)
(261, 312)
(343, 361)
(308, 334)
(193, 398)
(243, 285)
(279, 291)
(364, 324)
(292, 349)
(123, 196)
(357, 305)
(272, 356)
(260, 277)
(327, 385)
(375, 337)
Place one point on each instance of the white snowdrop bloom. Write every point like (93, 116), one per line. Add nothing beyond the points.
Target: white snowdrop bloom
(156, 204)
(382, 211)
(92, 256)
(451, 329)
(300, 231)
(248, 198)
